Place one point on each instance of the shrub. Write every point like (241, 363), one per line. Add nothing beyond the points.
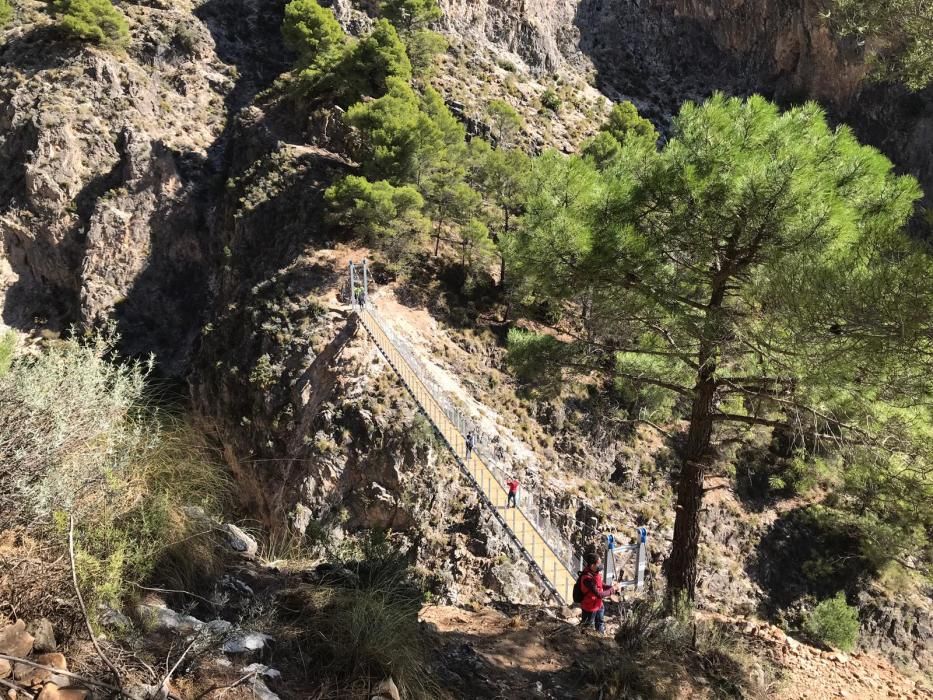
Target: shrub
(96, 21)
(361, 625)
(6, 13)
(79, 437)
(834, 622)
(550, 100)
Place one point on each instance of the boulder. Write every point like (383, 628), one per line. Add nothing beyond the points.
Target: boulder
(50, 691)
(240, 541)
(43, 635)
(159, 617)
(5, 668)
(15, 640)
(243, 643)
(386, 690)
(261, 690)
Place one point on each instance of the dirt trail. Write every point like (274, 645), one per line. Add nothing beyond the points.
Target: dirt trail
(531, 653)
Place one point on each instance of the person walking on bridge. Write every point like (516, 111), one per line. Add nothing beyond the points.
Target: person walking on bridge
(513, 493)
(469, 442)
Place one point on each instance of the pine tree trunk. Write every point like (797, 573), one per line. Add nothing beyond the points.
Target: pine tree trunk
(682, 565)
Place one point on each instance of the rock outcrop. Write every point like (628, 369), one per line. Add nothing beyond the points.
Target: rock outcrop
(659, 53)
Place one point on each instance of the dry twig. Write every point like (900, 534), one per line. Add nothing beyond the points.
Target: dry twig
(61, 672)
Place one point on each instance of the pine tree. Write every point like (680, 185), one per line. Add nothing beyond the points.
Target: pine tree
(380, 213)
(314, 33)
(96, 21)
(372, 63)
(755, 269)
(504, 121)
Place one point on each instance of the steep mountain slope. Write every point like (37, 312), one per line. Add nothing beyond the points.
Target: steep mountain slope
(166, 190)
(659, 53)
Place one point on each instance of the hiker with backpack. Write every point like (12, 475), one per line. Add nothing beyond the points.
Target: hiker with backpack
(589, 592)
(469, 442)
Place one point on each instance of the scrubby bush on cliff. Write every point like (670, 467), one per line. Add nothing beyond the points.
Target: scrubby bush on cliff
(550, 100)
(79, 439)
(6, 13)
(96, 21)
(7, 346)
(834, 622)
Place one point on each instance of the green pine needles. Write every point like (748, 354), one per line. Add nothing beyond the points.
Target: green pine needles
(94, 21)
(752, 274)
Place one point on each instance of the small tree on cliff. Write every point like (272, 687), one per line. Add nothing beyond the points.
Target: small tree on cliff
(314, 33)
(95, 21)
(411, 15)
(897, 36)
(754, 269)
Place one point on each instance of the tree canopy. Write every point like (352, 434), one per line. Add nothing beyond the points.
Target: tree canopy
(373, 61)
(897, 35)
(752, 275)
(504, 121)
(96, 21)
(381, 213)
(314, 34)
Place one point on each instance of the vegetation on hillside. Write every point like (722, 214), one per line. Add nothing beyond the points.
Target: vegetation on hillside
(6, 13)
(80, 438)
(896, 34)
(95, 21)
(834, 622)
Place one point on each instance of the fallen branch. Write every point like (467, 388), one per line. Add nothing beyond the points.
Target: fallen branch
(62, 672)
(87, 620)
(163, 686)
(225, 688)
(15, 686)
(174, 590)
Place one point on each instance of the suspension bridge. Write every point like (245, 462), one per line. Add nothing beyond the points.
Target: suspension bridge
(549, 555)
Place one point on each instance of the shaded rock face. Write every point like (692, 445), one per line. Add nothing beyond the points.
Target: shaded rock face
(109, 165)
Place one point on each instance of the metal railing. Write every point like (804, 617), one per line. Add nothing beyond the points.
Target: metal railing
(550, 555)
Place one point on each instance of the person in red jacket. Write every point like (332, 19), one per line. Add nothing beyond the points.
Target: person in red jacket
(513, 492)
(591, 582)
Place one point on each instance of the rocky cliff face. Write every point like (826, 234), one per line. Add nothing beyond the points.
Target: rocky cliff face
(659, 53)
